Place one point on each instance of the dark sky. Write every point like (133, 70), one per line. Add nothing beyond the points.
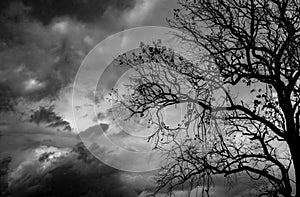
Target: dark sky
(42, 44)
(87, 11)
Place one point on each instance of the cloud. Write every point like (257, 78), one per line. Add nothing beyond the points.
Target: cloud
(33, 85)
(140, 11)
(93, 132)
(41, 50)
(42, 44)
(72, 173)
(6, 98)
(20, 138)
(39, 63)
(81, 10)
(52, 171)
(4, 170)
(150, 12)
(47, 116)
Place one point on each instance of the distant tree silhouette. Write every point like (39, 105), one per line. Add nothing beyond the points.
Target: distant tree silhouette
(246, 46)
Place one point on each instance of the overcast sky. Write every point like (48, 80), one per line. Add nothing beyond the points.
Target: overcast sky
(42, 45)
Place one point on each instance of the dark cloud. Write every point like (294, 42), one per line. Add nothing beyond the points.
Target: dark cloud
(47, 116)
(35, 62)
(42, 43)
(45, 11)
(4, 168)
(77, 173)
(6, 99)
(18, 138)
(81, 10)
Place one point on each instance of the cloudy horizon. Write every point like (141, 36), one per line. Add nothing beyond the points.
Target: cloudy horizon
(43, 151)
(42, 45)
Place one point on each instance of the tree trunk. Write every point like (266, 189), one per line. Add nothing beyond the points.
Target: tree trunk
(294, 148)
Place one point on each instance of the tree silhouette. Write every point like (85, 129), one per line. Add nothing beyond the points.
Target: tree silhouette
(239, 88)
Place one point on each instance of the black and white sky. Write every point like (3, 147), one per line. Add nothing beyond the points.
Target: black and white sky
(42, 45)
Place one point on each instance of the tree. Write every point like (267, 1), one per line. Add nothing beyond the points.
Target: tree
(251, 46)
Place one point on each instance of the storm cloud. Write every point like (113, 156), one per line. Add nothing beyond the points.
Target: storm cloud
(42, 43)
(57, 172)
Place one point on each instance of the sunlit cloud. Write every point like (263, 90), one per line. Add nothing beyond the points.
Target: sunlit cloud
(40, 54)
(32, 85)
(60, 27)
(140, 12)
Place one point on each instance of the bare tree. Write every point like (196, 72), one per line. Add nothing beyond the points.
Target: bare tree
(247, 45)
